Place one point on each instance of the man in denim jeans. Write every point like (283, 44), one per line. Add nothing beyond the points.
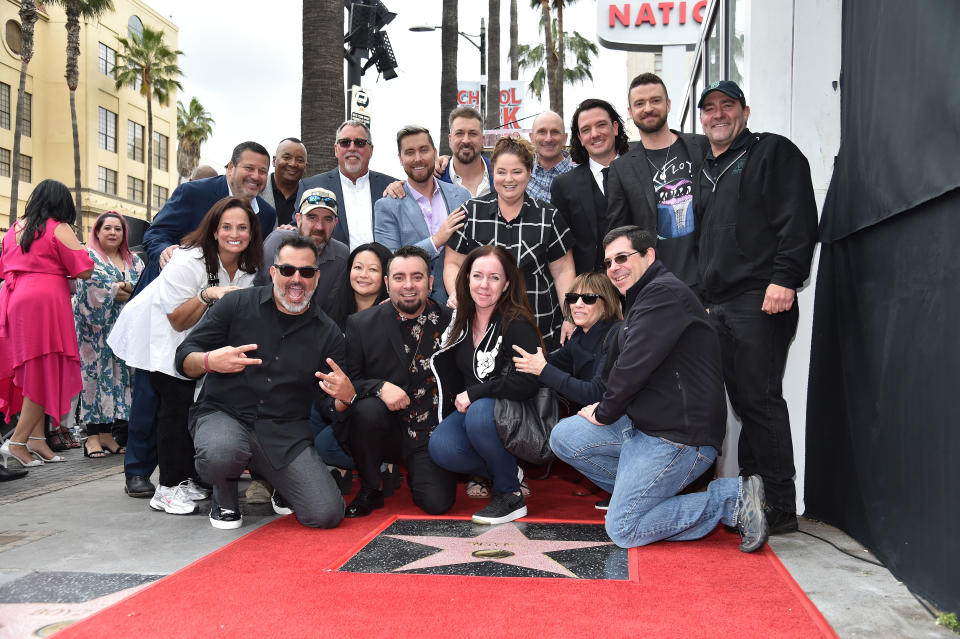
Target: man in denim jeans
(661, 420)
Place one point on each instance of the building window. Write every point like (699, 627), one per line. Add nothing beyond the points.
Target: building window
(134, 189)
(107, 130)
(134, 141)
(14, 36)
(107, 60)
(4, 162)
(107, 180)
(658, 63)
(159, 196)
(26, 168)
(4, 105)
(134, 25)
(160, 144)
(736, 40)
(27, 121)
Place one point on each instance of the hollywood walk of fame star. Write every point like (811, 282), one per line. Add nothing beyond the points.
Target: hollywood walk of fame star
(525, 552)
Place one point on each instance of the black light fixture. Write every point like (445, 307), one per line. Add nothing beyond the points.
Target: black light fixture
(383, 57)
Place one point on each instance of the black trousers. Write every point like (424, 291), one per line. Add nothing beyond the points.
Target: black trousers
(377, 435)
(754, 348)
(175, 453)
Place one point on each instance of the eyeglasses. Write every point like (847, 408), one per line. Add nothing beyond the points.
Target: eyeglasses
(619, 259)
(305, 271)
(588, 298)
(357, 142)
(320, 199)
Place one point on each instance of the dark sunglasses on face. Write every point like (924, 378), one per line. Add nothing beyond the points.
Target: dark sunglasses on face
(588, 298)
(305, 271)
(619, 259)
(357, 142)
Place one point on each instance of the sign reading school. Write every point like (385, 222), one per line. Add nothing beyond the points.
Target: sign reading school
(511, 100)
(648, 26)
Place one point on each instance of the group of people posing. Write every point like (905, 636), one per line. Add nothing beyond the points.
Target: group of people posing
(306, 328)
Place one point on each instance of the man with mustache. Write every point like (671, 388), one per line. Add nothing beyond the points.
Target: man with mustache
(430, 215)
(468, 167)
(352, 182)
(262, 350)
(651, 186)
(316, 219)
(289, 164)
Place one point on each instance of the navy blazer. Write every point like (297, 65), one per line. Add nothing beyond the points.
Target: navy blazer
(331, 181)
(183, 213)
(398, 223)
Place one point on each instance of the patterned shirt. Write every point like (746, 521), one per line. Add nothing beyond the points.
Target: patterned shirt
(541, 179)
(536, 237)
(421, 338)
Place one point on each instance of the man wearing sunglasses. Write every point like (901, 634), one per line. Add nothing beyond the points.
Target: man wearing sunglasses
(262, 352)
(353, 184)
(316, 219)
(661, 421)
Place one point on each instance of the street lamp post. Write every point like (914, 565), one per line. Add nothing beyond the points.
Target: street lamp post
(481, 47)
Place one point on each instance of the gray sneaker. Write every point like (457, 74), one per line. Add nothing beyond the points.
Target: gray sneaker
(751, 520)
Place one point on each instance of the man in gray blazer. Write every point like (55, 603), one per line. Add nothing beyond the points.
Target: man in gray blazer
(357, 187)
(431, 213)
(289, 165)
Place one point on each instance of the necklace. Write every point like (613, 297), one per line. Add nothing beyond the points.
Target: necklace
(658, 172)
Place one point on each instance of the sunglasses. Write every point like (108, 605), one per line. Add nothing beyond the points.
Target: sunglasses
(321, 199)
(588, 298)
(619, 259)
(305, 271)
(357, 142)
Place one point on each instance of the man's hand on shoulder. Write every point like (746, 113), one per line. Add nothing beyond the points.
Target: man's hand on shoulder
(441, 166)
(395, 190)
(167, 254)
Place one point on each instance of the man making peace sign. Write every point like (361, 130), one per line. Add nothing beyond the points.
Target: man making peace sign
(263, 350)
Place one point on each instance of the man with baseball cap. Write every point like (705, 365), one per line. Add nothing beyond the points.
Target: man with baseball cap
(757, 222)
(317, 215)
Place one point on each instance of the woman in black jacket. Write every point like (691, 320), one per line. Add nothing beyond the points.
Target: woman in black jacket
(475, 367)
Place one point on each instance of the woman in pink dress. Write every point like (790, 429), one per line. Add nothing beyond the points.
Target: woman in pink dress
(39, 359)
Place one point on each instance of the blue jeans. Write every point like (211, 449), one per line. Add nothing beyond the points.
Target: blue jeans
(468, 443)
(644, 475)
(141, 456)
(325, 441)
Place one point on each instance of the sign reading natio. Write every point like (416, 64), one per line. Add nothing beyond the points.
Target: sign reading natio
(648, 26)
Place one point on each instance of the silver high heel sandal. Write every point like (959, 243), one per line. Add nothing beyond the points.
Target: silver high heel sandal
(6, 454)
(55, 458)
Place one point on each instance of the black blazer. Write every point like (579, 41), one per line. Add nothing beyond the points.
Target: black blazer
(375, 349)
(579, 200)
(331, 181)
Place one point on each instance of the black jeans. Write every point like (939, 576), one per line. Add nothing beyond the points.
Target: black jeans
(174, 445)
(754, 347)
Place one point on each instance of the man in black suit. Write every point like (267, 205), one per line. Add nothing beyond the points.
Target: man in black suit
(597, 138)
(652, 185)
(355, 185)
(388, 361)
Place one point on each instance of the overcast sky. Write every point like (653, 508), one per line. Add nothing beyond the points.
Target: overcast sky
(243, 63)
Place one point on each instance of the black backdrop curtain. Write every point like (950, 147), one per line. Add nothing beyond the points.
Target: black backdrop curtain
(883, 425)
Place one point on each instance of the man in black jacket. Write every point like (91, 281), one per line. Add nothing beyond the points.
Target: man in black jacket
(652, 185)
(661, 421)
(388, 360)
(757, 228)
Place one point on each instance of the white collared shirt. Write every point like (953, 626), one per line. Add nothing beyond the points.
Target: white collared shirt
(597, 169)
(359, 207)
(482, 189)
(253, 201)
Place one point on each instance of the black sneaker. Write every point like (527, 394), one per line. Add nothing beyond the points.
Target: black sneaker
(280, 505)
(603, 504)
(751, 520)
(224, 518)
(781, 522)
(502, 508)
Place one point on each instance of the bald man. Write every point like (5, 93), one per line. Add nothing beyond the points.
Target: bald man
(549, 138)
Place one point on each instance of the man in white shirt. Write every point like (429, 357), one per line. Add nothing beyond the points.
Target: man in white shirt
(354, 184)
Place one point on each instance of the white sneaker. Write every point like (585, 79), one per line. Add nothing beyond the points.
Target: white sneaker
(172, 500)
(195, 491)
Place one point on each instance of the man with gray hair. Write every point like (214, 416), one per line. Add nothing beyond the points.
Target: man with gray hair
(355, 186)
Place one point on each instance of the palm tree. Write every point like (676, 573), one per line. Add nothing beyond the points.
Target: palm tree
(550, 54)
(514, 59)
(322, 96)
(28, 17)
(75, 10)
(147, 61)
(194, 127)
(449, 44)
(493, 66)
(532, 57)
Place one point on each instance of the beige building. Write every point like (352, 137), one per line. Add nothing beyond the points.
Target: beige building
(112, 123)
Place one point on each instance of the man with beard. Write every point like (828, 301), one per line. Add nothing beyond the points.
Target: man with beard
(652, 185)
(262, 349)
(316, 220)
(352, 182)
(289, 164)
(468, 168)
(388, 361)
(430, 215)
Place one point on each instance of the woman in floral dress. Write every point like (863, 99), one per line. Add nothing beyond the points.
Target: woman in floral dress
(105, 399)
